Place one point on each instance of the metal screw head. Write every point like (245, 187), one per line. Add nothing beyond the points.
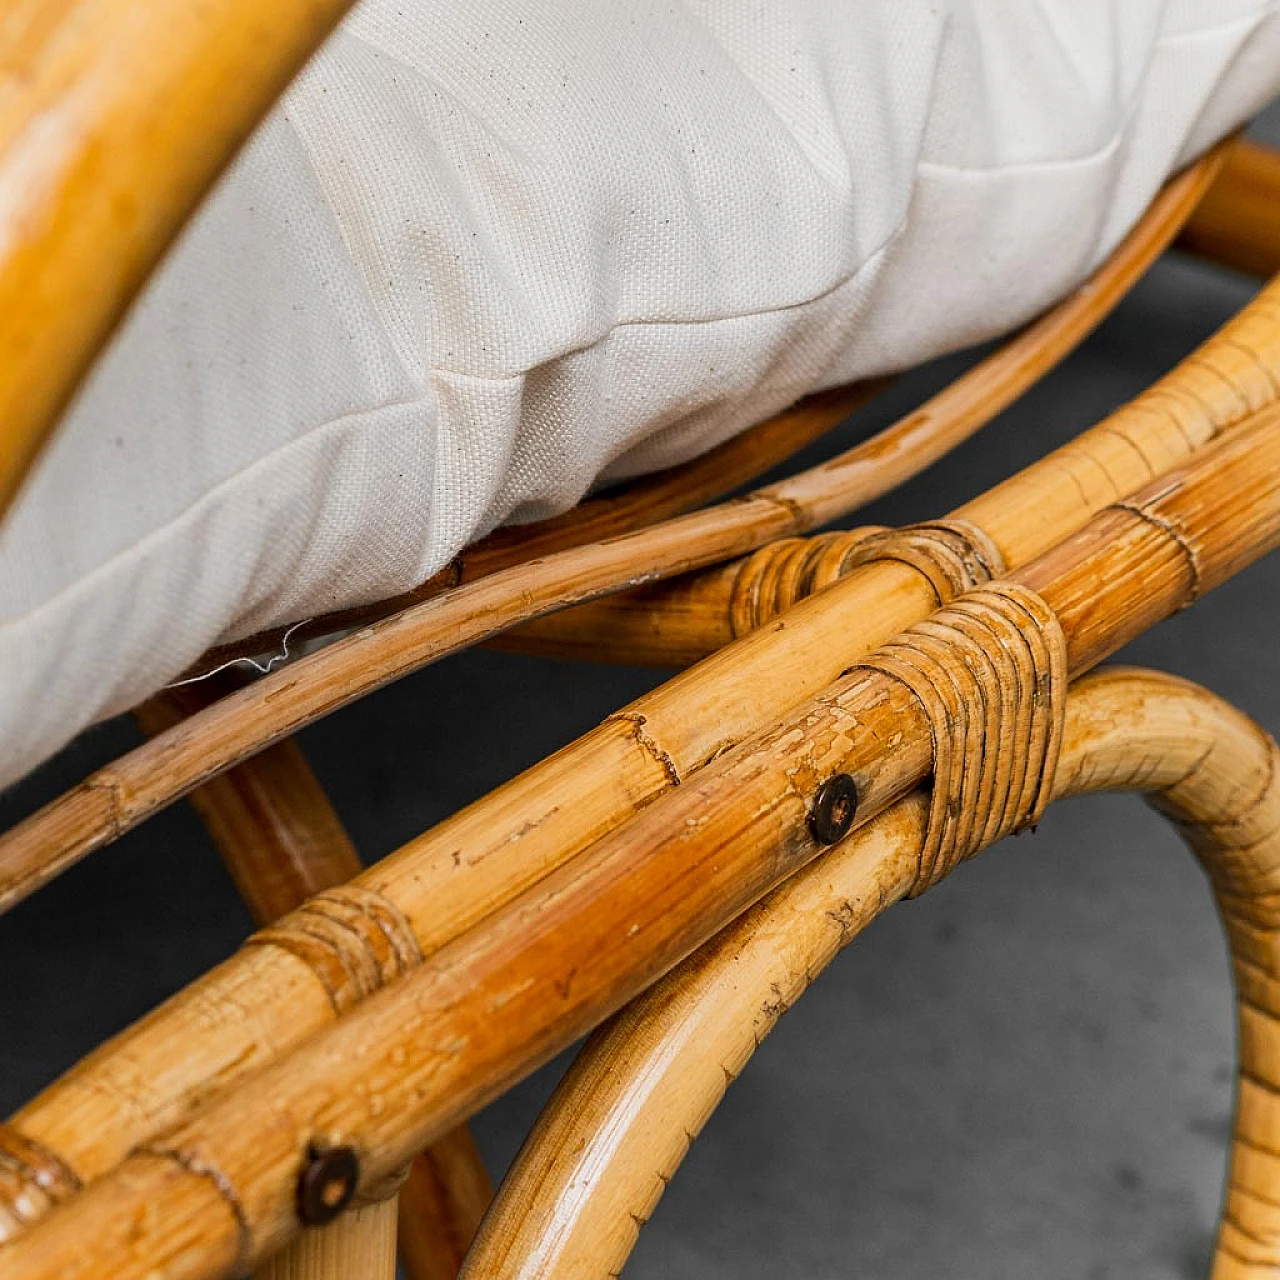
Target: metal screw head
(833, 809)
(327, 1183)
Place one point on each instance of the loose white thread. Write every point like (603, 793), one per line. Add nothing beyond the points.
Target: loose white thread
(262, 668)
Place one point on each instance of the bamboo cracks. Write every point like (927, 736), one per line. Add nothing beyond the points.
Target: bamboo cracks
(456, 876)
(282, 842)
(618, 1127)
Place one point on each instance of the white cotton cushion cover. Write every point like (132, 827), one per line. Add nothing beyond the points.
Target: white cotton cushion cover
(484, 254)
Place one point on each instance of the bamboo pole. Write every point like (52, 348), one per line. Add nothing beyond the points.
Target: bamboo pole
(122, 794)
(269, 818)
(1238, 222)
(282, 842)
(422, 1054)
(459, 873)
(118, 116)
(618, 1127)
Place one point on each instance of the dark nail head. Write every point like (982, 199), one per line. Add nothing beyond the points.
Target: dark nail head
(327, 1184)
(833, 809)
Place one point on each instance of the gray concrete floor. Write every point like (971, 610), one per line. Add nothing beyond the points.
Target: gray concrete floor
(1027, 1073)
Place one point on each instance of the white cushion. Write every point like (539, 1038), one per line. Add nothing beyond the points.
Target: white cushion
(486, 253)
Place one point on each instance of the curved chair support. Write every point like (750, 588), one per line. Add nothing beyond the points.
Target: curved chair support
(446, 1034)
(581, 941)
(128, 110)
(620, 1123)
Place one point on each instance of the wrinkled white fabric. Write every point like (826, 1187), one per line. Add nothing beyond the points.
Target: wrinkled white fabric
(485, 254)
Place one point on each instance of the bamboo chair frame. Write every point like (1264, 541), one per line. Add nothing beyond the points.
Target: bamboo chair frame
(677, 836)
(611, 1139)
(135, 786)
(741, 867)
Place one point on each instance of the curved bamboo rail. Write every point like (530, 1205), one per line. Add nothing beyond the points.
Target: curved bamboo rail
(619, 1125)
(681, 621)
(128, 110)
(1236, 223)
(453, 877)
(420, 1055)
(282, 842)
(121, 795)
(636, 505)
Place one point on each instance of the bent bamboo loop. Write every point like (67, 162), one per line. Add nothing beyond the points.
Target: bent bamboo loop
(619, 1125)
(420, 1055)
(118, 797)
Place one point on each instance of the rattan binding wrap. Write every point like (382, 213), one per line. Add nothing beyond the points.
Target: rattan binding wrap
(990, 673)
(352, 938)
(952, 555)
(32, 1180)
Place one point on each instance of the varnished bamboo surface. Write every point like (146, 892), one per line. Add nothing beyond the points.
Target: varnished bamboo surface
(1238, 221)
(620, 1123)
(117, 117)
(282, 842)
(442, 1205)
(124, 793)
(421, 1054)
(453, 877)
(269, 818)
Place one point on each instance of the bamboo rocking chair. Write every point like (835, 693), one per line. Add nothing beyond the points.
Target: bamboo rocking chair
(860, 712)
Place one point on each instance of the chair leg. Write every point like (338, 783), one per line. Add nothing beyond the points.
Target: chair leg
(622, 1120)
(359, 1245)
(282, 842)
(450, 1191)
(1235, 224)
